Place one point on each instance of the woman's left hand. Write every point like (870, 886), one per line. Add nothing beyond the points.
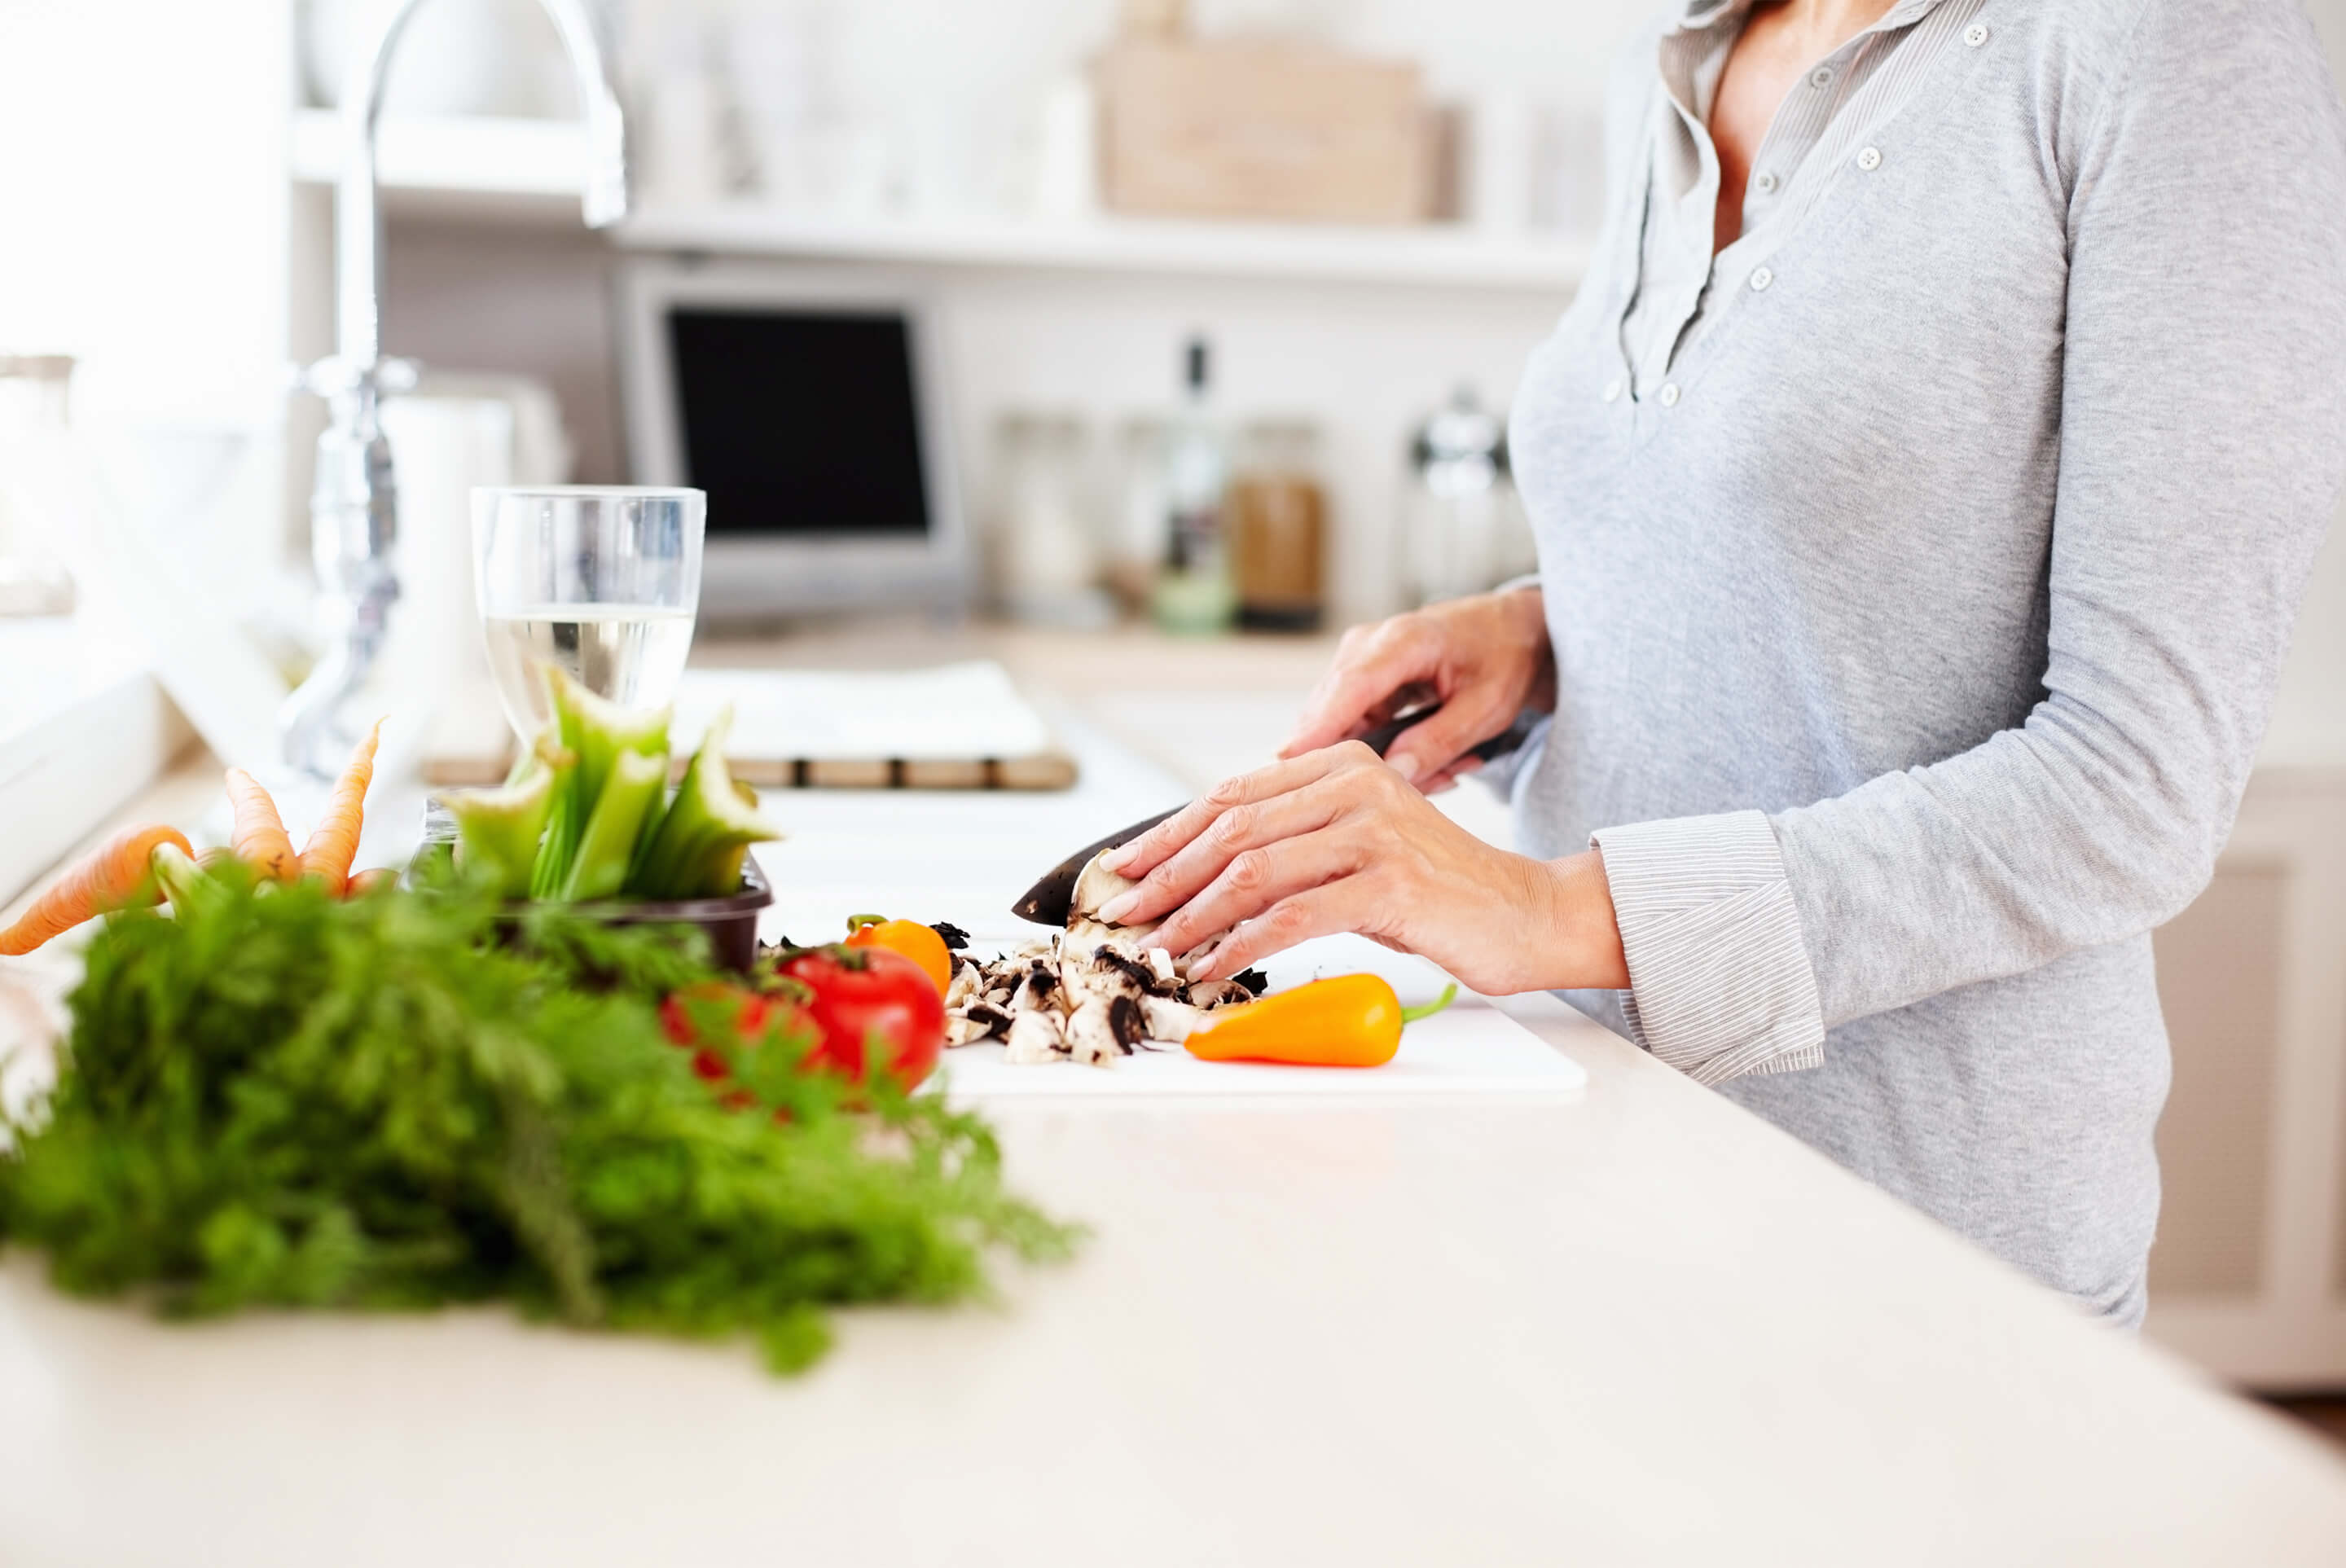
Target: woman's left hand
(1335, 840)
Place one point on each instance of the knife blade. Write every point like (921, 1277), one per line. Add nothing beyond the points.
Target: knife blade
(1049, 900)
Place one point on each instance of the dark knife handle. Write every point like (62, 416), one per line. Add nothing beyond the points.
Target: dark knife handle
(1380, 740)
(1046, 902)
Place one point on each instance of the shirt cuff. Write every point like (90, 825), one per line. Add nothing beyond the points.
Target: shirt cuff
(1719, 980)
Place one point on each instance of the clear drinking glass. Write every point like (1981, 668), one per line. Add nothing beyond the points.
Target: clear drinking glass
(602, 581)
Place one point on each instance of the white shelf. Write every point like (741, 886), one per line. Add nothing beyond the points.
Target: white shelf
(524, 168)
(470, 156)
(1433, 254)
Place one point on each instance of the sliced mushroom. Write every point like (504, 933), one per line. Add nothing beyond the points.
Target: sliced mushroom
(1091, 1034)
(1211, 993)
(1090, 993)
(1038, 988)
(1142, 978)
(1162, 1018)
(1127, 1022)
(1096, 885)
(1104, 974)
(974, 1022)
(1036, 1037)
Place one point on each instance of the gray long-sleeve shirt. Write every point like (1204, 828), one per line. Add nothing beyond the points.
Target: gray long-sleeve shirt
(1915, 621)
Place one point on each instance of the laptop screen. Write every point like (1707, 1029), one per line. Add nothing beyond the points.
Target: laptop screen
(799, 422)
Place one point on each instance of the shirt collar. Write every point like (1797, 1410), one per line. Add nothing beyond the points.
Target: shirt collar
(1700, 15)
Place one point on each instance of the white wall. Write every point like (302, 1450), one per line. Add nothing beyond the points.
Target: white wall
(142, 149)
(143, 231)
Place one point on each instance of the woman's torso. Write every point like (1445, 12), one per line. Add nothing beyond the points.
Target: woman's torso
(1815, 551)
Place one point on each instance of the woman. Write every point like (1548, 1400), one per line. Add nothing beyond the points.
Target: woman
(1924, 479)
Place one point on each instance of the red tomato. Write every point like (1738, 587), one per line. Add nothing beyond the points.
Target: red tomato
(875, 995)
(749, 1018)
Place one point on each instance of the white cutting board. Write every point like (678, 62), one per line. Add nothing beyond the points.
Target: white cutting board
(1468, 1049)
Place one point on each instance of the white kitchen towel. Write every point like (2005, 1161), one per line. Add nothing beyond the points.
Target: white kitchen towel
(953, 712)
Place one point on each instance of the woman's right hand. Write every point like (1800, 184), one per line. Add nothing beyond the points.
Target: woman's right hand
(1485, 658)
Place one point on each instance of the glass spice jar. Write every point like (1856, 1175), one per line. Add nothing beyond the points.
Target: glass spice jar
(1047, 558)
(1280, 520)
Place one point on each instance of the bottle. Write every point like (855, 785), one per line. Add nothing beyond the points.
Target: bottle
(1194, 594)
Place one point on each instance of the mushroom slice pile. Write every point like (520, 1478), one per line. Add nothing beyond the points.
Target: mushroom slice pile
(1092, 994)
(1081, 1000)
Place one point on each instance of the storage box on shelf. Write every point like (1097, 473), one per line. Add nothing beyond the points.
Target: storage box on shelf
(1264, 129)
(521, 170)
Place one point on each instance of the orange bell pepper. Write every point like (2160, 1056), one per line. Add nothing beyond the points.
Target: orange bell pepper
(916, 942)
(1349, 1020)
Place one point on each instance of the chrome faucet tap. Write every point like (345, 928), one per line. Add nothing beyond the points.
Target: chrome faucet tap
(354, 500)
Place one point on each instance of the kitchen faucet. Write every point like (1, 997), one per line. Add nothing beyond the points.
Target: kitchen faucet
(355, 501)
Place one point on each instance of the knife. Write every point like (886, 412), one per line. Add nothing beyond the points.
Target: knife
(1048, 901)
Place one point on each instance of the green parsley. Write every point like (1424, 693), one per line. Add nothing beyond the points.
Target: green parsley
(401, 1101)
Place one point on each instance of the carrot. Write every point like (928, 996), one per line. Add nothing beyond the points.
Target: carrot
(117, 874)
(260, 836)
(335, 844)
(367, 882)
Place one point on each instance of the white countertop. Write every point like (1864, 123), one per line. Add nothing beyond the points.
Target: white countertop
(1640, 1326)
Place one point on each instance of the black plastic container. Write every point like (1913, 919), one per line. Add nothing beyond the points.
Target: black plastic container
(731, 923)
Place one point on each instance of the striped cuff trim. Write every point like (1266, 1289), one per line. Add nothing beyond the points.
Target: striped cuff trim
(1719, 980)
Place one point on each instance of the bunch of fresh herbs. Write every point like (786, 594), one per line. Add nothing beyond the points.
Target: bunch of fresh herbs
(398, 1101)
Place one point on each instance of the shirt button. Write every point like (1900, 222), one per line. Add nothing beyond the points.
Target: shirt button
(1821, 77)
(1670, 395)
(1766, 183)
(1761, 278)
(1870, 159)
(1975, 35)
(1613, 391)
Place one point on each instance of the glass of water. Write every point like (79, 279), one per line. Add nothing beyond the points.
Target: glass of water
(601, 581)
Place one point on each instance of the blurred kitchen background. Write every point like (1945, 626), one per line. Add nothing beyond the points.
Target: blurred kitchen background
(1183, 338)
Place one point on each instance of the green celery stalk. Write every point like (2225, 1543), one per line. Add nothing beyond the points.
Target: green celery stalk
(608, 845)
(596, 731)
(498, 831)
(697, 851)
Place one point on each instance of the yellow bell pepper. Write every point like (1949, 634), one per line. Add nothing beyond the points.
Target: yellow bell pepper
(916, 942)
(1349, 1021)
